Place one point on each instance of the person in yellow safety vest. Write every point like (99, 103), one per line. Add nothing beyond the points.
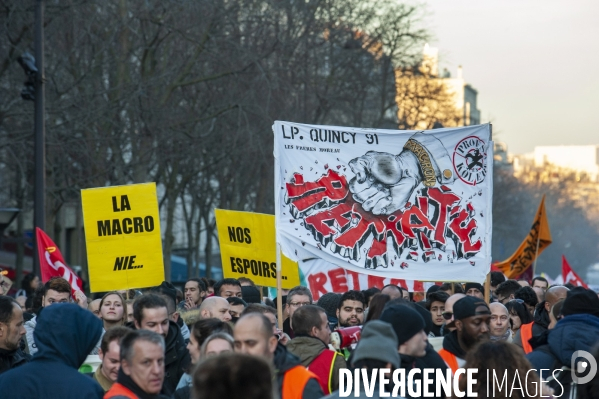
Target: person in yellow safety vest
(253, 335)
(311, 345)
(472, 319)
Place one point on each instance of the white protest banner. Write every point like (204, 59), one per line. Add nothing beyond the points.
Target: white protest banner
(412, 205)
(322, 277)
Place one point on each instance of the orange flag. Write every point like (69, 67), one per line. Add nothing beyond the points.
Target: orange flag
(525, 255)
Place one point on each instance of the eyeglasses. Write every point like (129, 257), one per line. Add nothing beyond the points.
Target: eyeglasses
(298, 304)
(516, 300)
(447, 315)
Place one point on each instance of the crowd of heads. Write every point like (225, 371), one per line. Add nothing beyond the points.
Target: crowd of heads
(225, 336)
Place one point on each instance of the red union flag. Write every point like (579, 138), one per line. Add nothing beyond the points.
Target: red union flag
(570, 275)
(408, 205)
(52, 263)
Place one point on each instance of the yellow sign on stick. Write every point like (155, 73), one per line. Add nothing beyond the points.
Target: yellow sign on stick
(248, 249)
(122, 236)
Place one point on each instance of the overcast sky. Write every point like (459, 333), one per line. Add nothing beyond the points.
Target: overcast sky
(535, 64)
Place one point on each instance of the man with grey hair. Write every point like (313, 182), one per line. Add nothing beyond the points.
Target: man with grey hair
(142, 366)
(297, 297)
(500, 323)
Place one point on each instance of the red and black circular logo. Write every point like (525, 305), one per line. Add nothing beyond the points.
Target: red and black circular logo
(470, 160)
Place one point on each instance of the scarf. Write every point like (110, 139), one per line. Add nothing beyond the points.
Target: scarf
(504, 337)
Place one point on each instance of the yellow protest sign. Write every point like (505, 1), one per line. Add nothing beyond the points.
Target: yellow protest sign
(248, 249)
(122, 236)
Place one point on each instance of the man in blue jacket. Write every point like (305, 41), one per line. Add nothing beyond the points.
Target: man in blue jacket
(64, 335)
(578, 330)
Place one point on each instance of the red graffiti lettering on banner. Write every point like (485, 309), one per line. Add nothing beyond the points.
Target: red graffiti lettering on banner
(398, 240)
(341, 224)
(419, 286)
(326, 224)
(316, 283)
(355, 277)
(338, 280)
(327, 190)
(399, 282)
(376, 281)
(377, 254)
(463, 228)
(414, 220)
(442, 201)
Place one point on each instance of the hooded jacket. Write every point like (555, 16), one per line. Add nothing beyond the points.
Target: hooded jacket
(64, 335)
(572, 333)
(176, 357)
(308, 348)
(452, 344)
(285, 361)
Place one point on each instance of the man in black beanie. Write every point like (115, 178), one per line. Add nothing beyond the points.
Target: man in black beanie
(581, 301)
(413, 347)
(475, 289)
(577, 330)
(471, 318)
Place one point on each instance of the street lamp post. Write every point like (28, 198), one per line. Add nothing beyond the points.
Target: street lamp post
(39, 215)
(34, 90)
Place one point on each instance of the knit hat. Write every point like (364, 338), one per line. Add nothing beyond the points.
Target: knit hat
(580, 300)
(329, 302)
(250, 294)
(377, 342)
(478, 286)
(406, 322)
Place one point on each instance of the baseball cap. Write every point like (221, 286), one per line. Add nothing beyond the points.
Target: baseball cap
(467, 307)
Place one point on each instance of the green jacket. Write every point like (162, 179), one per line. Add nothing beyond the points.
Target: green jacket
(308, 348)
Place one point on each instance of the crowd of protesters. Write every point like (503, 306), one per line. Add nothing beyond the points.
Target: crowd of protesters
(223, 339)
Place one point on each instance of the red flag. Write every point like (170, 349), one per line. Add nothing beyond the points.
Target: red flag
(570, 275)
(52, 263)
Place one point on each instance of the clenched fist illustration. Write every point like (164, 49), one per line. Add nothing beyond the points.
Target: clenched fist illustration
(384, 182)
